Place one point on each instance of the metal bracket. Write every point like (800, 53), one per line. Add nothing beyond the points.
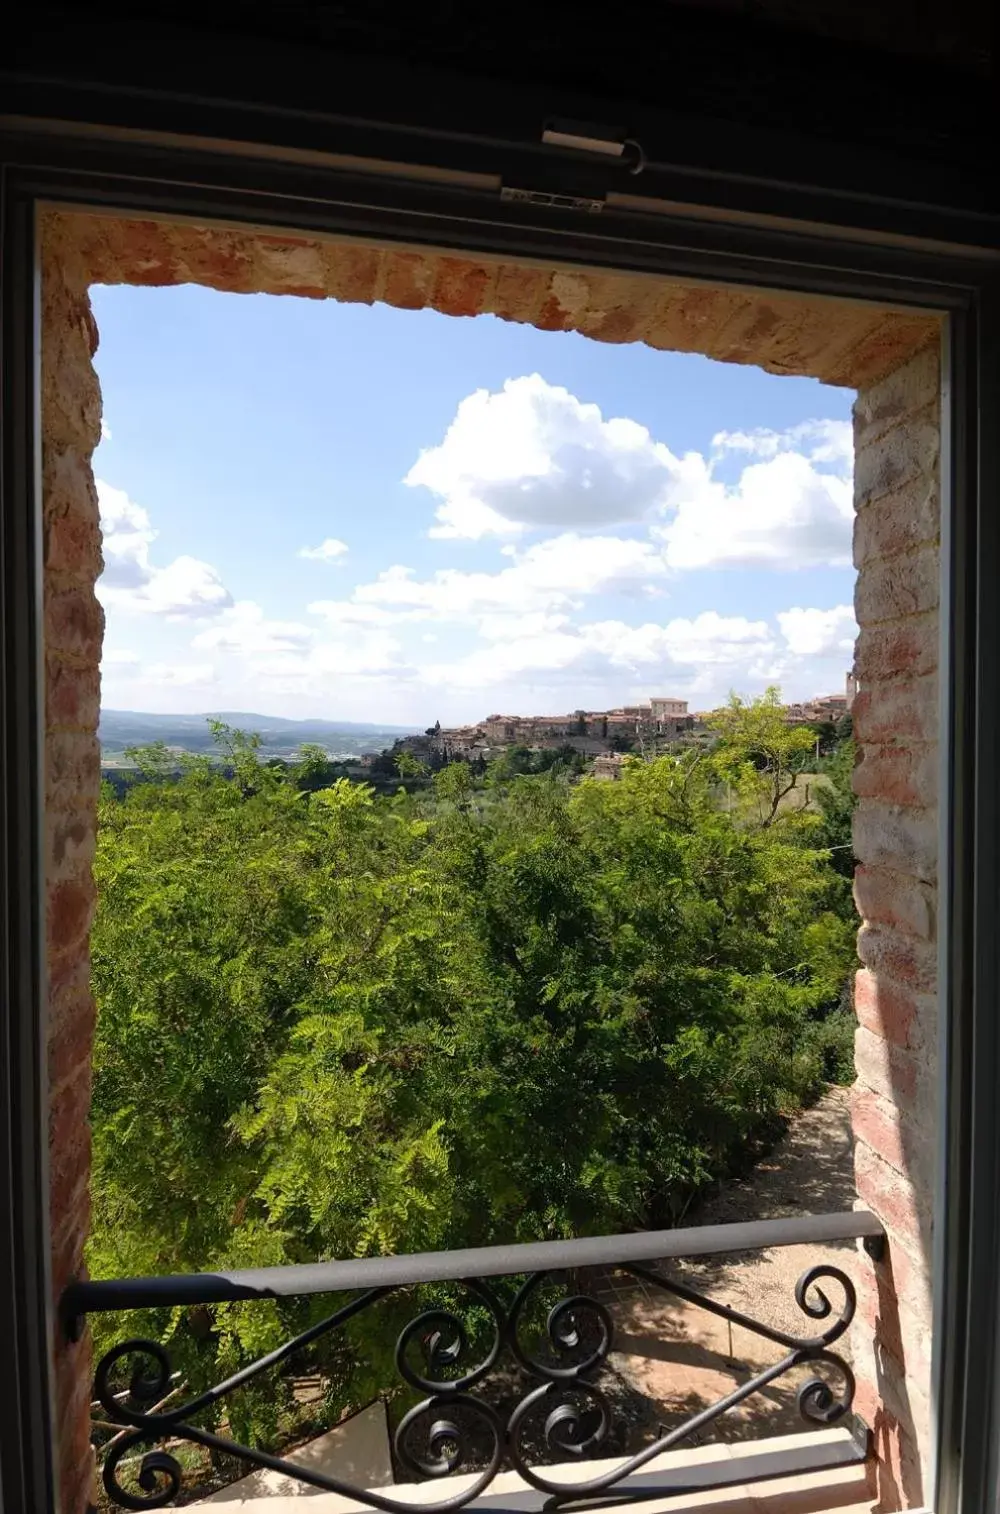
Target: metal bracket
(875, 1245)
(555, 201)
(71, 1319)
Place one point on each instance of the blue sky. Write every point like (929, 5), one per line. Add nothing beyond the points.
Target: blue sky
(313, 509)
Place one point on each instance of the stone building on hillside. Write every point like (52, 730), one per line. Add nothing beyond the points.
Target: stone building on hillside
(610, 765)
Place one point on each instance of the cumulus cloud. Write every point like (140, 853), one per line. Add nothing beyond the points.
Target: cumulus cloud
(327, 668)
(717, 639)
(823, 441)
(611, 654)
(127, 538)
(245, 629)
(596, 520)
(782, 513)
(535, 455)
(329, 550)
(375, 652)
(819, 633)
(552, 575)
(288, 657)
(130, 581)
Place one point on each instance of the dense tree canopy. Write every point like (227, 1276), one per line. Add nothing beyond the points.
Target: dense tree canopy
(520, 1006)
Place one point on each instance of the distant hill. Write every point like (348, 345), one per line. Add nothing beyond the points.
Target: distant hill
(126, 728)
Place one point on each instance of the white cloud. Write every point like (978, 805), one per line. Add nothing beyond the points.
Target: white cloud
(782, 513)
(819, 633)
(185, 587)
(550, 576)
(502, 627)
(376, 652)
(823, 441)
(329, 669)
(127, 538)
(596, 520)
(717, 639)
(172, 675)
(535, 455)
(245, 629)
(105, 431)
(348, 612)
(832, 441)
(759, 443)
(612, 655)
(328, 551)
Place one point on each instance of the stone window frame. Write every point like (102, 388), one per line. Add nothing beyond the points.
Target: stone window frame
(968, 1244)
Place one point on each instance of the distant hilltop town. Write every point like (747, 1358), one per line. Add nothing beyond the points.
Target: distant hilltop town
(603, 735)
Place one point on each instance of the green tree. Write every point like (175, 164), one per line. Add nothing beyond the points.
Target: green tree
(334, 1022)
(409, 767)
(837, 804)
(761, 753)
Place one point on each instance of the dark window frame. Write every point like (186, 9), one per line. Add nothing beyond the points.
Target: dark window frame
(765, 243)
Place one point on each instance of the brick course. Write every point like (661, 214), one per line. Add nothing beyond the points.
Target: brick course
(890, 357)
(74, 627)
(897, 447)
(838, 342)
(907, 647)
(902, 775)
(887, 898)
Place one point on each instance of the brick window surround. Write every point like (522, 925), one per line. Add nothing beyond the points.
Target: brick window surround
(892, 359)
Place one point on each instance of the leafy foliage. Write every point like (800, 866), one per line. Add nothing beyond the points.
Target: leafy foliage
(336, 1023)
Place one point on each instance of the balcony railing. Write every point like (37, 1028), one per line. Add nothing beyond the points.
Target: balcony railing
(452, 1429)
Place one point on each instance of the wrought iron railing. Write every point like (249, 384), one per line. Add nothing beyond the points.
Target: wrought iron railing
(568, 1410)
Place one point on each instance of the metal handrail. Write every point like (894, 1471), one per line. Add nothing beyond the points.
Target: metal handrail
(437, 1436)
(102, 1296)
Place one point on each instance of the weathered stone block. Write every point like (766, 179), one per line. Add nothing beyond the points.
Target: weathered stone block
(884, 1008)
(903, 958)
(900, 775)
(908, 451)
(894, 649)
(885, 1068)
(884, 897)
(897, 711)
(911, 387)
(898, 522)
(893, 1199)
(905, 840)
(891, 587)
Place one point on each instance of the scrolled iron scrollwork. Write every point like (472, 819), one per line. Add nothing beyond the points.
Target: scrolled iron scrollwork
(817, 1403)
(159, 1475)
(814, 1302)
(442, 1335)
(564, 1428)
(563, 1329)
(142, 1389)
(447, 1437)
(451, 1430)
